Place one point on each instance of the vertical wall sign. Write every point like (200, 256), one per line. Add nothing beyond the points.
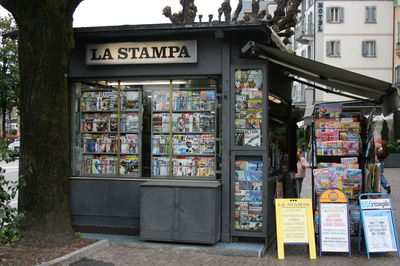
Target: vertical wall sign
(378, 224)
(334, 226)
(294, 224)
(320, 17)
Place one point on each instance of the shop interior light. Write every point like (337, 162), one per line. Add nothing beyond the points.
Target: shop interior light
(274, 99)
(146, 82)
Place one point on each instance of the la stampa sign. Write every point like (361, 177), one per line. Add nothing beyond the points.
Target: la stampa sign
(172, 52)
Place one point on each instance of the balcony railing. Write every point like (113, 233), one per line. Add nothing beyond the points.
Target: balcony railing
(304, 32)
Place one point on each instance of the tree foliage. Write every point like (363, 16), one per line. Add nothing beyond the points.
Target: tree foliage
(9, 74)
(385, 131)
(11, 220)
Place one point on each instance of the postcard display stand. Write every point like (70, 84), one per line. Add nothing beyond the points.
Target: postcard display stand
(249, 158)
(184, 133)
(109, 132)
(337, 149)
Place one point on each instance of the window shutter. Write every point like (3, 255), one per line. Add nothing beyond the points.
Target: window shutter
(341, 14)
(364, 48)
(373, 14)
(373, 48)
(398, 31)
(337, 48)
(367, 14)
(328, 14)
(328, 48)
(397, 74)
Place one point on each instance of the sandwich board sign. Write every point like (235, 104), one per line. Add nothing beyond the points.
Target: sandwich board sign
(334, 225)
(294, 224)
(378, 224)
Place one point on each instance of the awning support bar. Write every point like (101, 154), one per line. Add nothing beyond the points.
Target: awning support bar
(331, 91)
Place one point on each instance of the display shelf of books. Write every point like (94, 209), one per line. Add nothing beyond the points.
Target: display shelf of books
(110, 129)
(248, 199)
(248, 107)
(338, 147)
(184, 133)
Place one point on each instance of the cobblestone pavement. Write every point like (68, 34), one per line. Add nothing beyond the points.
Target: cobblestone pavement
(294, 255)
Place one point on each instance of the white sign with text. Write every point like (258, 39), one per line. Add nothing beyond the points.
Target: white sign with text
(334, 227)
(172, 52)
(379, 231)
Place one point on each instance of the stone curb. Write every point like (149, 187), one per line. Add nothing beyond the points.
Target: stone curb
(207, 250)
(78, 254)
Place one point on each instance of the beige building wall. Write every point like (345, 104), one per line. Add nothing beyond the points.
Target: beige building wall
(396, 44)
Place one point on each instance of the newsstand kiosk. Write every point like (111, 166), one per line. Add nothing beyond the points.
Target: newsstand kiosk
(176, 135)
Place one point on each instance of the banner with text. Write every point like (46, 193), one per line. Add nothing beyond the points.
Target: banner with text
(378, 223)
(334, 221)
(172, 52)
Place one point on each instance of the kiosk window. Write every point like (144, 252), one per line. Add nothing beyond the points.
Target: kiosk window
(248, 107)
(160, 129)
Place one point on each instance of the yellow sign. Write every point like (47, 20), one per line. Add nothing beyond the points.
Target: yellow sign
(333, 196)
(294, 224)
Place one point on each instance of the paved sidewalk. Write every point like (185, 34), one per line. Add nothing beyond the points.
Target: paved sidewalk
(117, 254)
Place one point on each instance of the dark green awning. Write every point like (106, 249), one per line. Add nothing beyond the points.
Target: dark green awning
(375, 90)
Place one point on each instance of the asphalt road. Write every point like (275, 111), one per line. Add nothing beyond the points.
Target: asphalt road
(11, 174)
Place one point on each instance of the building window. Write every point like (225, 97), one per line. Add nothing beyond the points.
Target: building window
(398, 31)
(397, 81)
(298, 93)
(335, 14)
(370, 14)
(333, 48)
(303, 6)
(369, 48)
(158, 128)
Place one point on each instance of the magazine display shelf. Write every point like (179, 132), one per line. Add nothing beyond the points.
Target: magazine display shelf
(183, 133)
(109, 137)
(337, 148)
(249, 159)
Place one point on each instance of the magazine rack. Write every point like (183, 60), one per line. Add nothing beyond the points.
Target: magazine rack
(184, 129)
(338, 161)
(108, 139)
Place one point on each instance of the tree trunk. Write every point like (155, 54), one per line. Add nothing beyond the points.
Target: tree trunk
(3, 123)
(45, 43)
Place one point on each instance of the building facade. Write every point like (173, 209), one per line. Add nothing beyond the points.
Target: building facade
(353, 35)
(396, 42)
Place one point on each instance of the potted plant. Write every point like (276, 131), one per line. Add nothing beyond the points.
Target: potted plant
(393, 160)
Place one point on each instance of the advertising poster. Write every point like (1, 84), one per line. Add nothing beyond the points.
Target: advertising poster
(334, 227)
(378, 230)
(295, 225)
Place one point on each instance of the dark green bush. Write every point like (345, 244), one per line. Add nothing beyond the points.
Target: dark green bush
(393, 147)
(11, 220)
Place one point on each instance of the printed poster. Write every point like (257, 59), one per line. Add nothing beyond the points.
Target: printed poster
(334, 227)
(295, 225)
(378, 230)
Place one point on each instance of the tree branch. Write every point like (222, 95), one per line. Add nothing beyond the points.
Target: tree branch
(255, 6)
(237, 11)
(227, 9)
